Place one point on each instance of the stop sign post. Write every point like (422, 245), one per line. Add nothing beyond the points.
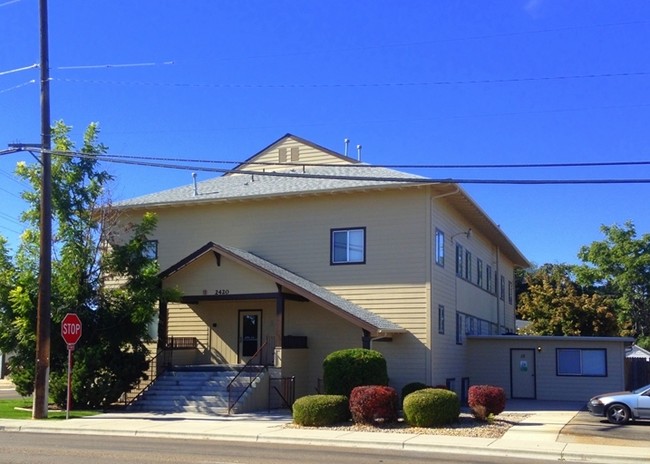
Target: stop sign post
(71, 333)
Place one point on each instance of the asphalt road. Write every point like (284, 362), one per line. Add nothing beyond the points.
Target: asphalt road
(585, 428)
(42, 448)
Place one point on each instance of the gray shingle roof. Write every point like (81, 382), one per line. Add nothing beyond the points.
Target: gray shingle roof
(313, 292)
(311, 179)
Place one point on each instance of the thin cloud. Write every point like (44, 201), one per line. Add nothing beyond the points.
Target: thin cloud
(532, 7)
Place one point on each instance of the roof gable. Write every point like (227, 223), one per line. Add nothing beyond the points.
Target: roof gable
(289, 151)
(357, 315)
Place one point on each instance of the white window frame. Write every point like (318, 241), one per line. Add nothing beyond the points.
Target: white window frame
(440, 248)
(351, 256)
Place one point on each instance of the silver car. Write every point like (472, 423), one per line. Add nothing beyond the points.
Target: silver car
(622, 406)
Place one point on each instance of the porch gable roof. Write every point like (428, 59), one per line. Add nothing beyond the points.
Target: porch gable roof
(355, 314)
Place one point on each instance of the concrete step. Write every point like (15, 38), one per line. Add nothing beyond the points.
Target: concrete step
(193, 389)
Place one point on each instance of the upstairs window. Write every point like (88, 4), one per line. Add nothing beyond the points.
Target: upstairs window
(488, 275)
(468, 265)
(150, 250)
(459, 260)
(440, 248)
(479, 272)
(348, 246)
(502, 288)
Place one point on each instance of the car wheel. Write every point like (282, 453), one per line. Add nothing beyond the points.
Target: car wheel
(618, 414)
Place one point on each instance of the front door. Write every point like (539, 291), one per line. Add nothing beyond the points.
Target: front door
(522, 373)
(250, 334)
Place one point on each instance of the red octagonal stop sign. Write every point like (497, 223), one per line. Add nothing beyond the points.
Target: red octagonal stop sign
(71, 328)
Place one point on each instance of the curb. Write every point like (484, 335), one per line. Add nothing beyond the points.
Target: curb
(483, 447)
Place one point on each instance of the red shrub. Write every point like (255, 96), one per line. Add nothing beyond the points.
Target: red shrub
(486, 400)
(373, 403)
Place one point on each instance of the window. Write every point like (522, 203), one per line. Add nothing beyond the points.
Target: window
(470, 325)
(150, 249)
(468, 265)
(348, 246)
(502, 288)
(440, 248)
(579, 362)
(441, 319)
(488, 273)
(479, 272)
(459, 260)
(450, 383)
(510, 291)
(459, 328)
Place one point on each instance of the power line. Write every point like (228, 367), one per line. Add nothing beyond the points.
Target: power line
(118, 157)
(114, 65)
(24, 68)
(9, 218)
(357, 85)
(15, 87)
(404, 180)
(10, 229)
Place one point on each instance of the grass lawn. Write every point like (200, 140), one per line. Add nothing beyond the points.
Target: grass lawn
(8, 411)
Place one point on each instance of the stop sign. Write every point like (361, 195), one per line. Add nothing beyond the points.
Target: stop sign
(71, 328)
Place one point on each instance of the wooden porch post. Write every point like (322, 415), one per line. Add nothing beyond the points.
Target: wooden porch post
(279, 327)
(162, 324)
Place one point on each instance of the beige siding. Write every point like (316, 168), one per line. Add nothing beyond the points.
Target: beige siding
(207, 276)
(398, 281)
(325, 333)
(282, 153)
(460, 295)
(490, 364)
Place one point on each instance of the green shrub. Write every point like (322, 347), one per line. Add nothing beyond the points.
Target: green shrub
(320, 410)
(345, 369)
(412, 387)
(486, 401)
(371, 404)
(430, 407)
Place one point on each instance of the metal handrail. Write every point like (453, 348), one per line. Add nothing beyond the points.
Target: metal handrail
(156, 369)
(248, 367)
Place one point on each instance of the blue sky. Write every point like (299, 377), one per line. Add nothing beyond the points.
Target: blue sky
(413, 82)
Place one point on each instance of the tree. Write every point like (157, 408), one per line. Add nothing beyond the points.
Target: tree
(619, 267)
(555, 305)
(111, 357)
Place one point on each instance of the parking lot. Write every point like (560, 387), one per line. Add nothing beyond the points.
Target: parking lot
(585, 428)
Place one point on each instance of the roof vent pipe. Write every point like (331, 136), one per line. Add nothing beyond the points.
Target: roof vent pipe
(196, 190)
(346, 141)
(358, 152)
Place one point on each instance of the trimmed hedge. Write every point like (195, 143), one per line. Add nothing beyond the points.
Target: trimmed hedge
(371, 404)
(320, 410)
(412, 387)
(345, 369)
(486, 400)
(430, 407)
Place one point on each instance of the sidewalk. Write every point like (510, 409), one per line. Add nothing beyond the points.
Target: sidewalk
(534, 437)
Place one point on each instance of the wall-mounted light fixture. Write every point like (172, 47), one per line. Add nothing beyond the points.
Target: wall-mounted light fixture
(539, 349)
(467, 233)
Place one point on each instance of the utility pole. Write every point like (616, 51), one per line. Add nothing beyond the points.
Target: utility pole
(42, 378)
